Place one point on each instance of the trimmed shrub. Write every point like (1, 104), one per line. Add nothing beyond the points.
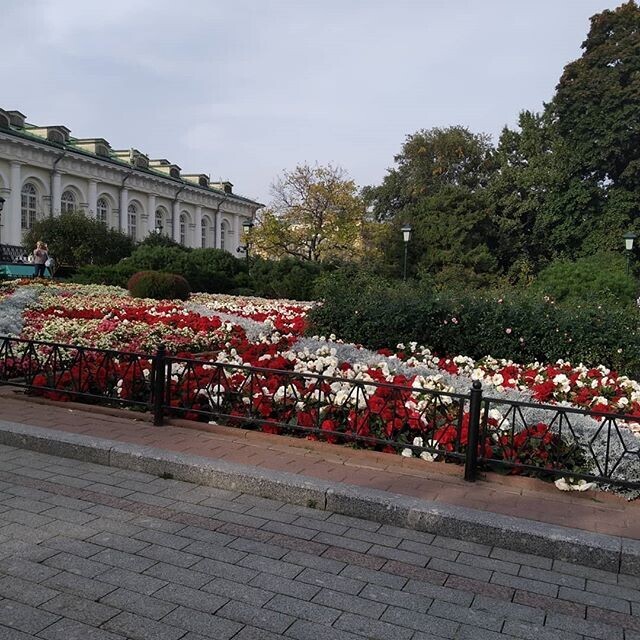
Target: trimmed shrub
(159, 286)
(518, 325)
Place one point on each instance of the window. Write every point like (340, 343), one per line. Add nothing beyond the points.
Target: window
(102, 211)
(160, 218)
(28, 205)
(205, 233)
(183, 228)
(224, 230)
(132, 220)
(68, 202)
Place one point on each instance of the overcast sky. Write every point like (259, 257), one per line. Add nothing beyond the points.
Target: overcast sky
(243, 90)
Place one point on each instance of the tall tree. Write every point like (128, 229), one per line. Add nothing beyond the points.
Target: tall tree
(439, 186)
(316, 214)
(597, 102)
(519, 191)
(596, 111)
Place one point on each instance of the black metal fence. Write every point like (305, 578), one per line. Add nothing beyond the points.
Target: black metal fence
(471, 429)
(11, 253)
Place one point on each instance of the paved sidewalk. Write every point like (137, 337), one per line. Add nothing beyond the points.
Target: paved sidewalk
(101, 553)
(374, 483)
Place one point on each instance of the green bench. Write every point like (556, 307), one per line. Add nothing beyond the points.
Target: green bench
(17, 270)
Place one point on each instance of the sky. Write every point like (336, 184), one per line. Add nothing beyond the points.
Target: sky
(244, 90)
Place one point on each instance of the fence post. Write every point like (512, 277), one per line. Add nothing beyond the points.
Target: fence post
(471, 461)
(159, 381)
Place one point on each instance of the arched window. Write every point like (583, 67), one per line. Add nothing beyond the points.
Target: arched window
(102, 210)
(68, 202)
(161, 226)
(29, 199)
(205, 232)
(183, 228)
(224, 230)
(132, 220)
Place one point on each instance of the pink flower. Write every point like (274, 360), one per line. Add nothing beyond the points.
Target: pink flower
(508, 330)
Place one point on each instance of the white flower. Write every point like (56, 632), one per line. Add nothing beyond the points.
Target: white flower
(418, 442)
(407, 453)
(569, 484)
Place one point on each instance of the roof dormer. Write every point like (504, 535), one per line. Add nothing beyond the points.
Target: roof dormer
(97, 146)
(5, 119)
(201, 179)
(225, 186)
(59, 134)
(17, 119)
(164, 166)
(134, 157)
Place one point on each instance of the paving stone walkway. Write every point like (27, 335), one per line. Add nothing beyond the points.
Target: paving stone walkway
(97, 553)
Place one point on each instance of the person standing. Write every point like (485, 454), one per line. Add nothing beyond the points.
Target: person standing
(40, 256)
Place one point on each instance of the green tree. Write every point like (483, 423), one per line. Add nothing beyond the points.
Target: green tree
(597, 101)
(439, 186)
(316, 215)
(519, 193)
(74, 239)
(596, 111)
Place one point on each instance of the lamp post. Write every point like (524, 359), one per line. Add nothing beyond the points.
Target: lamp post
(628, 245)
(159, 228)
(247, 225)
(2, 201)
(406, 236)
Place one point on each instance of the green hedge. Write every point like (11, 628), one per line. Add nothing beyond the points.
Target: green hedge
(520, 325)
(158, 285)
(213, 271)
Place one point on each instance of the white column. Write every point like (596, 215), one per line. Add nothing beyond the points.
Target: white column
(93, 198)
(124, 204)
(56, 194)
(151, 208)
(11, 216)
(197, 234)
(216, 229)
(176, 220)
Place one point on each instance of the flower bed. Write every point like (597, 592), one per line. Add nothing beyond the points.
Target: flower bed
(422, 419)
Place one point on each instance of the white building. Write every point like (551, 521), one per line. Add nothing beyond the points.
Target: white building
(45, 171)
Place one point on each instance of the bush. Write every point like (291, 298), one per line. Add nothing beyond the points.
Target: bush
(159, 286)
(287, 278)
(212, 270)
(599, 277)
(167, 259)
(75, 239)
(520, 325)
(116, 275)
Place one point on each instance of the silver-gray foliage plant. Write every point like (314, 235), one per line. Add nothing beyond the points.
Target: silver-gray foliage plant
(599, 440)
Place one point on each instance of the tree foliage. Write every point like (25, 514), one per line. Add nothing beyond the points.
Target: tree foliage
(74, 239)
(316, 215)
(439, 186)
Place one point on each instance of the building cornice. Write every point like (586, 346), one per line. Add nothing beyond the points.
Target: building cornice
(111, 171)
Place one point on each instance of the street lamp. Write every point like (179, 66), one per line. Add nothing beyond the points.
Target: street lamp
(2, 201)
(406, 236)
(159, 228)
(628, 245)
(247, 225)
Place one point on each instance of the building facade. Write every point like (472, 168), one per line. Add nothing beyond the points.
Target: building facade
(45, 171)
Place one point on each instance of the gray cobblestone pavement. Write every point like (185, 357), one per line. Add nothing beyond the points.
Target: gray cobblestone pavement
(99, 553)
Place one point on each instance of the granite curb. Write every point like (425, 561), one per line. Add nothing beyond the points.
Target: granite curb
(607, 552)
